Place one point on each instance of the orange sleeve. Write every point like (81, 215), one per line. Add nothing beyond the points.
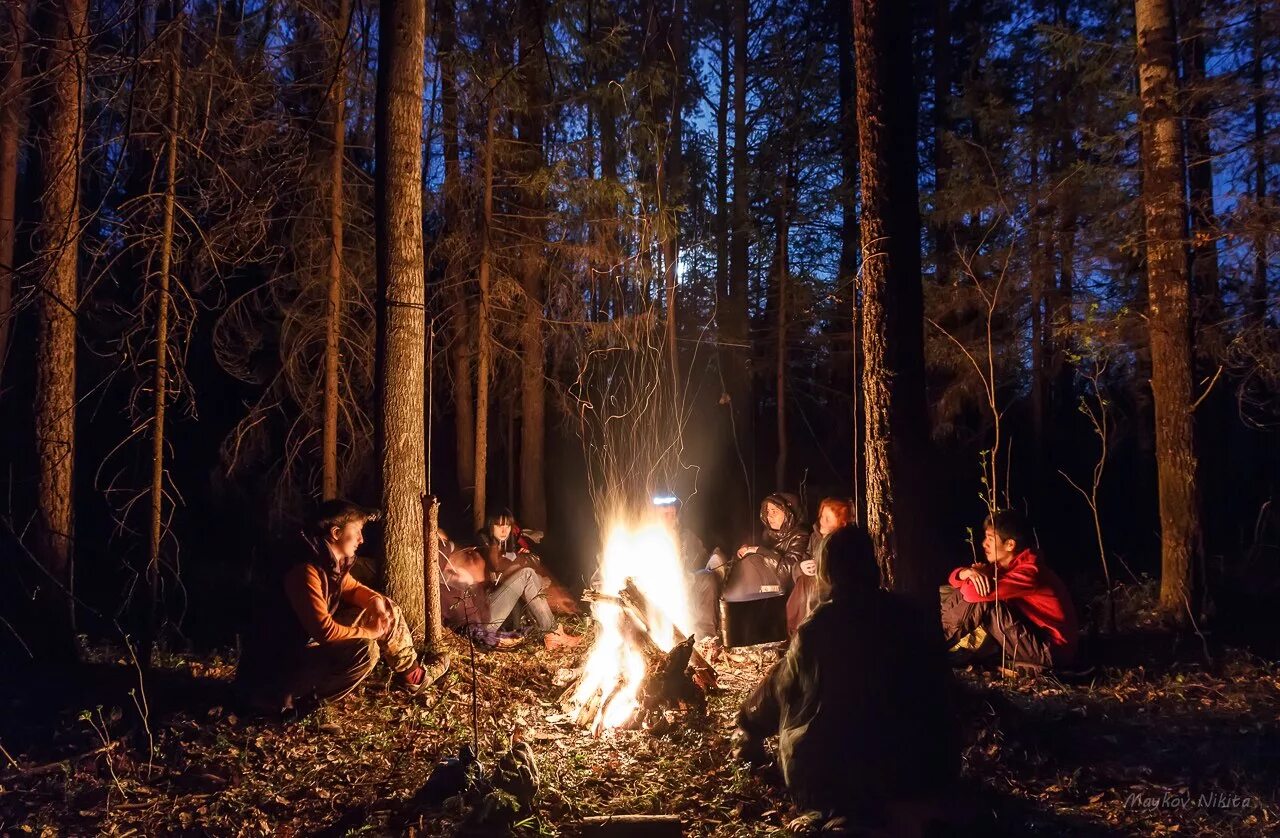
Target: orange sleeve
(361, 596)
(305, 589)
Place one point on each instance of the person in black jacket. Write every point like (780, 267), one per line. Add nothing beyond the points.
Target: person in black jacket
(864, 728)
(756, 568)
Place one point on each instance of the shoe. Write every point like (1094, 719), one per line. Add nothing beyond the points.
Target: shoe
(428, 670)
(560, 639)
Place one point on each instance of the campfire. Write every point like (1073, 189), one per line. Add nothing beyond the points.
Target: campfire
(642, 666)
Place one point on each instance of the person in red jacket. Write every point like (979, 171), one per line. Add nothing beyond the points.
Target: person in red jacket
(1022, 605)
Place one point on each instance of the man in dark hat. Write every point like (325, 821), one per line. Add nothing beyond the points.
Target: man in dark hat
(864, 729)
(316, 632)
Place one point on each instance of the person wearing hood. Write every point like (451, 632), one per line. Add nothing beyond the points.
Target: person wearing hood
(864, 729)
(765, 567)
(768, 566)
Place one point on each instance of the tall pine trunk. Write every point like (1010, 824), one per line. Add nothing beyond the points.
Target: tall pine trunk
(669, 182)
(1168, 315)
(782, 267)
(1258, 294)
(734, 325)
(163, 302)
(892, 295)
(533, 265)
(13, 21)
(400, 301)
(850, 239)
(483, 346)
(64, 66)
(333, 311)
(454, 273)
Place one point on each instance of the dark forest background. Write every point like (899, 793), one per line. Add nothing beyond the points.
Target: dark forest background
(611, 185)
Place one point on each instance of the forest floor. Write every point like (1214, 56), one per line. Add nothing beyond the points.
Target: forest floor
(1157, 745)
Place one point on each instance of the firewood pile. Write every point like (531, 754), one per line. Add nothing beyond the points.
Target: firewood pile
(675, 681)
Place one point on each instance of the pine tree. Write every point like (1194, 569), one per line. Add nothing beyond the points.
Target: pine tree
(401, 288)
(1168, 316)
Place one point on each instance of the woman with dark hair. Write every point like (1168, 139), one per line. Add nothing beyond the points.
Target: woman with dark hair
(768, 565)
(508, 555)
(833, 513)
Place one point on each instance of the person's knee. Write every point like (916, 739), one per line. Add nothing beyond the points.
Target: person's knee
(365, 657)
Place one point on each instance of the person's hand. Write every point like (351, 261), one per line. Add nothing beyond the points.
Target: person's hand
(746, 550)
(379, 623)
(979, 578)
(809, 567)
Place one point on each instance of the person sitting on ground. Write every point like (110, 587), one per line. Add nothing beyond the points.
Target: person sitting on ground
(807, 591)
(758, 568)
(861, 703)
(767, 566)
(473, 606)
(701, 585)
(316, 632)
(1022, 605)
(506, 547)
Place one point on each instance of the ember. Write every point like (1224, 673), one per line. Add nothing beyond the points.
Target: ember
(641, 660)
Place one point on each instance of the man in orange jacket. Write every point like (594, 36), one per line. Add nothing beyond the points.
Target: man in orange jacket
(316, 632)
(1022, 605)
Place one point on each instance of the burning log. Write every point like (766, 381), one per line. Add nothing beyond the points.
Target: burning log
(672, 680)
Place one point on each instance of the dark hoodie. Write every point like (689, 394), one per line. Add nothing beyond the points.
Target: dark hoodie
(786, 547)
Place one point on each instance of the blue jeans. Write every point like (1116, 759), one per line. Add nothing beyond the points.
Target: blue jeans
(523, 584)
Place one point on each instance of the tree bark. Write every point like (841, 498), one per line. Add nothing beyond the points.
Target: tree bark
(892, 296)
(333, 312)
(58, 243)
(459, 313)
(943, 234)
(483, 349)
(533, 350)
(1258, 294)
(161, 382)
(735, 353)
(669, 184)
(1168, 315)
(851, 239)
(13, 19)
(401, 298)
(782, 268)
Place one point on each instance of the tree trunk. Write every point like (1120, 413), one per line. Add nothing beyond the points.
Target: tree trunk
(1168, 315)
(401, 298)
(851, 239)
(1258, 294)
(533, 264)
(943, 234)
(459, 313)
(734, 325)
(782, 267)
(483, 349)
(161, 383)
(1204, 265)
(722, 164)
(673, 171)
(333, 312)
(13, 19)
(57, 304)
(1213, 427)
(892, 296)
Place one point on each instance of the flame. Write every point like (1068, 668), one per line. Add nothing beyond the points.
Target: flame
(647, 555)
